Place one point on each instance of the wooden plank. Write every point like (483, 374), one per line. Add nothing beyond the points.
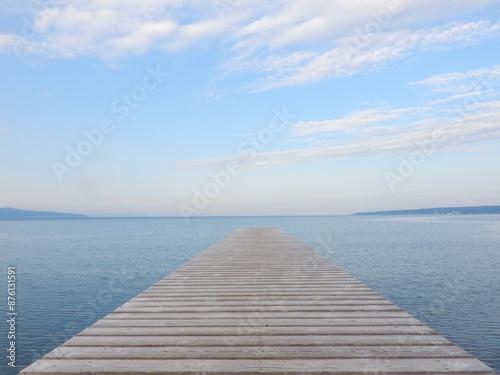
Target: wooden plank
(256, 293)
(202, 322)
(262, 352)
(274, 283)
(248, 294)
(216, 308)
(274, 287)
(251, 298)
(256, 340)
(258, 275)
(357, 366)
(257, 330)
(281, 302)
(310, 315)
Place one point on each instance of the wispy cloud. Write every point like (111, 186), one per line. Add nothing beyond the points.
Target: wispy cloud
(462, 82)
(282, 43)
(479, 124)
(113, 29)
(349, 57)
(5, 42)
(451, 122)
(296, 31)
(300, 23)
(352, 121)
(213, 92)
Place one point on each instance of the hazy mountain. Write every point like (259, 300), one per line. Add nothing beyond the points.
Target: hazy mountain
(14, 213)
(439, 210)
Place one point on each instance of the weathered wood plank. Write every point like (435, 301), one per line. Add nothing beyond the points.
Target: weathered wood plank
(279, 302)
(261, 352)
(256, 340)
(290, 308)
(256, 293)
(250, 298)
(357, 366)
(257, 330)
(144, 322)
(310, 315)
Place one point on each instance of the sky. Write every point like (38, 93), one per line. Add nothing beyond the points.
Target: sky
(237, 107)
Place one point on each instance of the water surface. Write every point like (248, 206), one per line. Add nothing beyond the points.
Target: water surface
(443, 269)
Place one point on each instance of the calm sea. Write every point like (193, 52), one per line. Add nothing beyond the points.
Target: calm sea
(444, 270)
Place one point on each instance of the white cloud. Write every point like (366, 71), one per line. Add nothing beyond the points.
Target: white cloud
(463, 82)
(361, 53)
(111, 29)
(302, 22)
(129, 27)
(5, 42)
(452, 135)
(382, 131)
(352, 121)
(452, 122)
(213, 92)
(285, 42)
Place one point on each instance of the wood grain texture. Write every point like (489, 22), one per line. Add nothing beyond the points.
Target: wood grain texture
(258, 302)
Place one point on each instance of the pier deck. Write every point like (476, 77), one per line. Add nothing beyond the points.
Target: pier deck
(258, 302)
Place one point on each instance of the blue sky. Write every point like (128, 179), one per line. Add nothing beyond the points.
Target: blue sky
(236, 107)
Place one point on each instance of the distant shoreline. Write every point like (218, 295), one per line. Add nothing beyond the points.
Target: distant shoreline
(470, 210)
(18, 214)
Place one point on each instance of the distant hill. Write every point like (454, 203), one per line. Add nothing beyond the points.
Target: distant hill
(14, 213)
(439, 210)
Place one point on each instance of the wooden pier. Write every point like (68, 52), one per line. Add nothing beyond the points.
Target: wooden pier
(258, 302)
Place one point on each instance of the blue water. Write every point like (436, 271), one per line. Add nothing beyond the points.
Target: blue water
(444, 270)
